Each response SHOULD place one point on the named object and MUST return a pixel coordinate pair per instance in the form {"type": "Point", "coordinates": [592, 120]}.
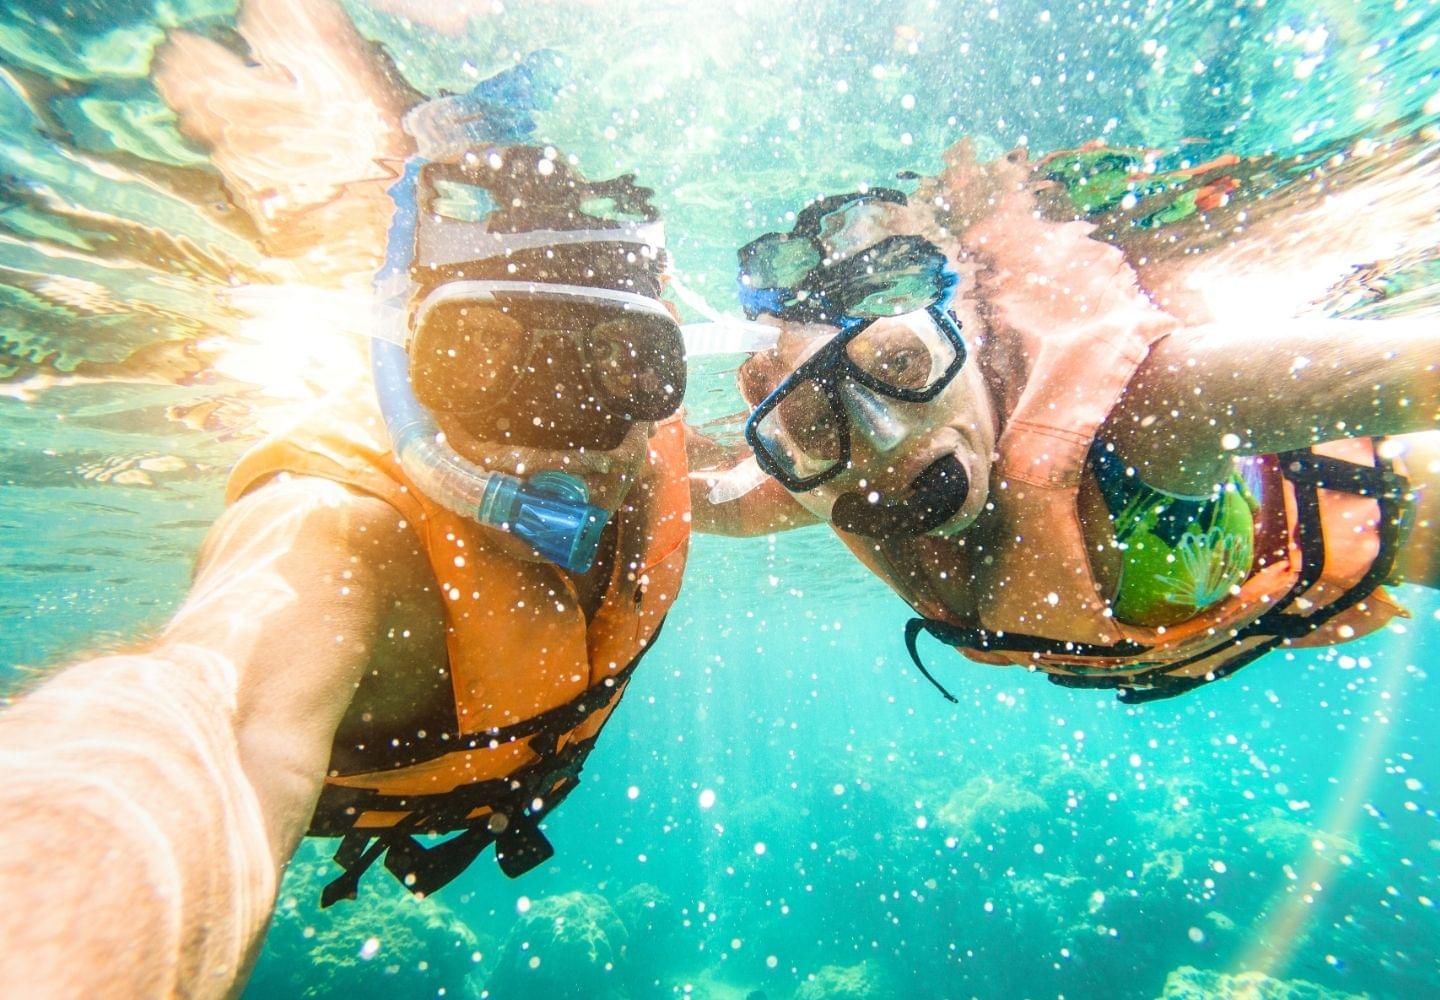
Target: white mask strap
{"type": "Point", "coordinates": [722, 334]}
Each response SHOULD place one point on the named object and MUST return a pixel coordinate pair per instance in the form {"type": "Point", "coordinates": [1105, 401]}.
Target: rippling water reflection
{"type": "Point", "coordinates": [160, 308]}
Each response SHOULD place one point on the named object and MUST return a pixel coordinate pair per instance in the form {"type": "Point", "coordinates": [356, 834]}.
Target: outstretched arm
{"type": "Point", "coordinates": [152, 798]}
{"type": "Point", "coordinates": [1206, 394]}
{"type": "Point", "coordinates": [762, 511]}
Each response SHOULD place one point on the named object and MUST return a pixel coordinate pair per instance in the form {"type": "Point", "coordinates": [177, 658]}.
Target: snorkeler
{"type": "Point", "coordinates": [420, 608]}
{"type": "Point", "coordinates": [1057, 473]}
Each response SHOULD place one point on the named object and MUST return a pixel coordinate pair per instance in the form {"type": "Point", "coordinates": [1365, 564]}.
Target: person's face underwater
{"type": "Point", "coordinates": [523, 384]}
{"type": "Point", "coordinates": [903, 455]}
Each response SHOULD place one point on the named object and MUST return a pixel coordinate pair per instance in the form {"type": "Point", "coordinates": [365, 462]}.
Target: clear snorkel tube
{"type": "Point", "coordinates": [549, 511]}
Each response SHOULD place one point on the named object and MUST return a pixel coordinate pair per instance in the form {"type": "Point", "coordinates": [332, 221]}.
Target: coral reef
{"type": "Point", "coordinates": [1190, 983]}
{"type": "Point", "coordinates": [985, 803]}
{"type": "Point", "coordinates": [565, 947]}
{"type": "Point", "coordinates": [862, 981]}
{"type": "Point", "coordinates": [388, 942]}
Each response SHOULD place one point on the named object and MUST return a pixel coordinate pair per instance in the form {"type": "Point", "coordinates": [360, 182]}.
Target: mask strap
{"type": "Point", "coordinates": [722, 334]}
{"type": "Point", "coordinates": [454, 241]}
{"type": "Point", "coordinates": [485, 291]}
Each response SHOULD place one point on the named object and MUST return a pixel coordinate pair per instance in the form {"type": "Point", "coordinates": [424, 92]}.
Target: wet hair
{"type": "Point", "coordinates": [523, 189]}
{"type": "Point", "coordinates": [758, 375]}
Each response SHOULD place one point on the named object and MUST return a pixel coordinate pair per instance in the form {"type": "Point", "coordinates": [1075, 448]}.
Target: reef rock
{"type": "Point", "coordinates": [565, 947]}
{"type": "Point", "coordinates": [983, 805]}
{"type": "Point", "coordinates": [386, 942]}
{"type": "Point", "coordinates": [844, 982]}
{"type": "Point", "coordinates": [1190, 983]}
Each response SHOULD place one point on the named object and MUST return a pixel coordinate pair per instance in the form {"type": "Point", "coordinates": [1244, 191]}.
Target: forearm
{"type": "Point", "coordinates": [137, 861]}
{"type": "Point", "coordinates": [766, 509]}
{"type": "Point", "coordinates": [1207, 394]}
{"type": "Point", "coordinates": [753, 503]}
{"type": "Point", "coordinates": [1337, 378]}
{"type": "Point", "coordinates": [152, 799]}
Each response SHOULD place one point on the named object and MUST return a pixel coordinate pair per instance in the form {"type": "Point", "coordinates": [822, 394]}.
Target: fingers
{"type": "Point", "coordinates": [306, 133]}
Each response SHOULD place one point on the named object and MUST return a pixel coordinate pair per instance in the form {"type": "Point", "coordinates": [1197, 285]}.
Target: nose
{"type": "Point", "coordinates": [871, 417]}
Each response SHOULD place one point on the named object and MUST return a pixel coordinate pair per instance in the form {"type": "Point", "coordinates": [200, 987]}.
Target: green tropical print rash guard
{"type": "Point", "coordinates": [1179, 554]}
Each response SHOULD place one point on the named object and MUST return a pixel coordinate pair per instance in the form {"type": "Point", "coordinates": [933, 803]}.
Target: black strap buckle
{"type": "Point", "coordinates": [522, 847]}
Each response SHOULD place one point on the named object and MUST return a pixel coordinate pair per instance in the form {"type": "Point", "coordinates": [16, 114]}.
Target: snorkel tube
{"type": "Point", "coordinates": [549, 511]}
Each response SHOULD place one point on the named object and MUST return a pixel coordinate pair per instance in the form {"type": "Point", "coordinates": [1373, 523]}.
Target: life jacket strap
{"type": "Point", "coordinates": [1308, 473]}
{"type": "Point", "coordinates": [519, 804]}
{"type": "Point", "coordinates": [981, 639]}
{"type": "Point", "coordinates": [523, 800]}
{"type": "Point", "coordinates": [356, 854]}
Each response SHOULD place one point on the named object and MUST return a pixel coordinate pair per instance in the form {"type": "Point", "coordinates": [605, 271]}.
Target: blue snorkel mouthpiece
{"type": "Point", "coordinates": [551, 513]}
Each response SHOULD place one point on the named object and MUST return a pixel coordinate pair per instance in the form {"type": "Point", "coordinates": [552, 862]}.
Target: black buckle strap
{"type": "Point", "coordinates": [561, 718]}
{"type": "Point", "coordinates": [1329, 473]}
{"type": "Point", "coordinates": [1309, 473]}
{"type": "Point", "coordinates": [519, 803]}
{"type": "Point", "coordinates": [356, 854]}
{"type": "Point", "coordinates": [519, 847]}
{"type": "Point", "coordinates": [523, 799]}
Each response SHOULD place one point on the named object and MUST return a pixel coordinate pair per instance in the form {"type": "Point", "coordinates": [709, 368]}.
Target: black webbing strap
{"type": "Point", "coordinates": [523, 799]}
{"type": "Point", "coordinates": [517, 807]}
{"type": "Point", "coordinates": [980, 639]}
{"type": "Point", "coordinates": [518, 802]}
{"type": "Point", "coordinates": [1308, 473]}
{"type": "Point", "coordinates": [356, 854]}
{"type": "Point", "coordinates": [561, 718]}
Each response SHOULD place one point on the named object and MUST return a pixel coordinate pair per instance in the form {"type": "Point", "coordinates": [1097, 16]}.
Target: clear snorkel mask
{"type": "Point", "coordinates": [531, 335]}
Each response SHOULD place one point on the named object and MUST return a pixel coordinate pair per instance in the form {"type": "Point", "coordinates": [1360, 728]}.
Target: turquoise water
{"type": "Point", "coordinates": [865, 839]}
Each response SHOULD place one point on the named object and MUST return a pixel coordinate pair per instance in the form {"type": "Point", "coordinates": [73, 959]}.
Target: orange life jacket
{"type": "Point", "coordinates": [1327, 536]}
{"type": "Point", "coordinates": [533, 681]}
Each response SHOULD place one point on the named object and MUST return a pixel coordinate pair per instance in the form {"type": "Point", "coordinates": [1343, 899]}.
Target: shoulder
{"type": "Point", "coordinates": [342, 439]}
{"type": "Point", "coordinates": [306, 526]}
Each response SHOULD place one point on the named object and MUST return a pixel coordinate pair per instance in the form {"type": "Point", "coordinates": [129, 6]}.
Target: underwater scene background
{"type": "Point", "coordinates": [781, 807]}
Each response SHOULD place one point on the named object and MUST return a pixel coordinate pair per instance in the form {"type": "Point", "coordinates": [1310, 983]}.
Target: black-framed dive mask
{"type": "Point", "coordinates": [800, 432]}
{"type": "Point", "coordinates": [546, 365]}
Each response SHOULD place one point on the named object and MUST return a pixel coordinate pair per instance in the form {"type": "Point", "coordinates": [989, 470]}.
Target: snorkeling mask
{"type": "Point", "coordinates": [838, 266]}
{"type": "Point", "coordinates": [553, 367]}
{"type": "Point", "coordinates": [801, 430]}
{"type": "Point", "coordinates": [540, 325]}
{"type": "Point", "coordinates": [536, 323]}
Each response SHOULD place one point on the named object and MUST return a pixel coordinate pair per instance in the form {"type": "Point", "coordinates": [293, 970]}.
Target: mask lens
{"type": "Point", "coordinates": [778, 261]}
{"type": "Point", "coordinates": [857, 224]}
{"type": "Point", "coordinates": [907, 353]}
{"type": "Point", "coordinates": [466, 356]}
{"type": "Point", "coordinates": [548, 372]}
{"type": "Point", "coordinates": [638, 362]}
{"type": "Point", "coordinates": [802, 433]}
